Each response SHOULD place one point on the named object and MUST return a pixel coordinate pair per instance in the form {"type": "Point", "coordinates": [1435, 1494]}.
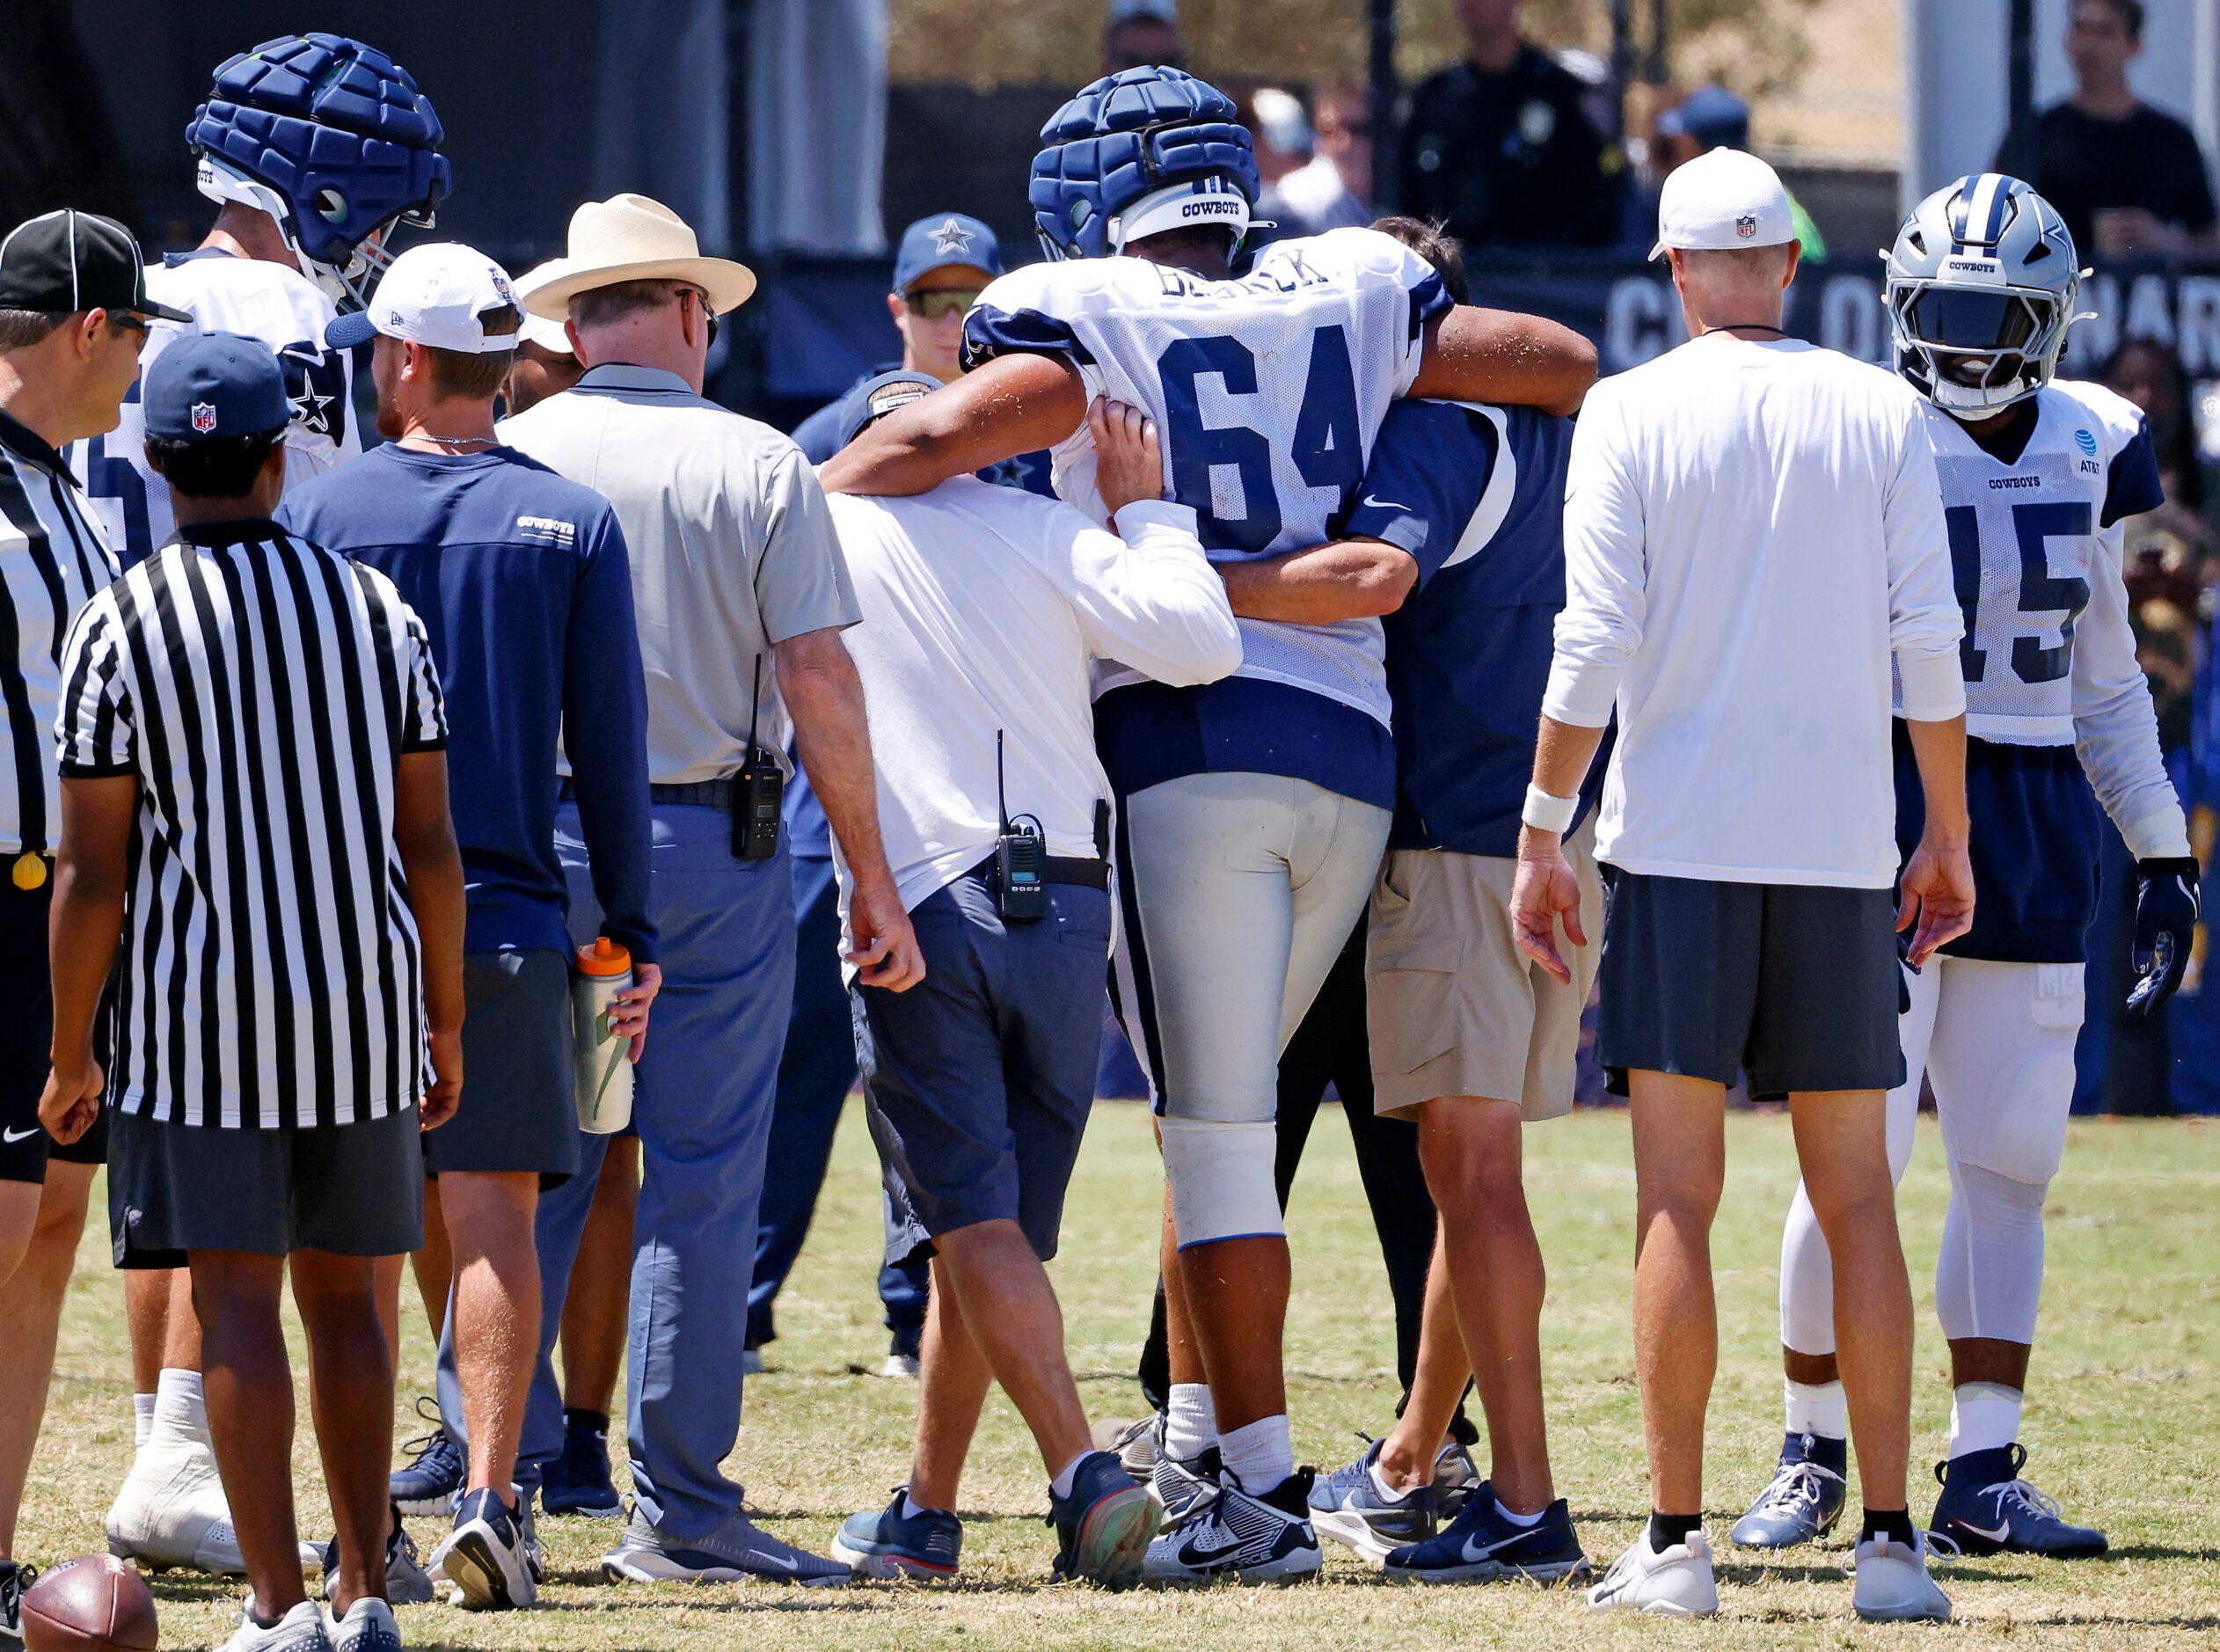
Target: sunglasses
{"type": "Point", "coordinates": [942, 302]}
{"type": "Point", "coordinates": [709, 316]}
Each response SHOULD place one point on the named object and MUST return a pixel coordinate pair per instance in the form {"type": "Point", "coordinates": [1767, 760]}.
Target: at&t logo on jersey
{"type": "Point", "coordinates": [2085, 442]}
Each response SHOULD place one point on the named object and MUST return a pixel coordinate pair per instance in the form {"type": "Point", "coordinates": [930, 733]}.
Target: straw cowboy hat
{"type": "Point", "coordinates": [631, 238]}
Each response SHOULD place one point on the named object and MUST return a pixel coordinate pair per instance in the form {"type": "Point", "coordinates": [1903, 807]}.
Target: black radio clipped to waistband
{"type": "Point", "coordinates": [1021, 856]}
{"type": "Point", "coordinates": [759, 791]}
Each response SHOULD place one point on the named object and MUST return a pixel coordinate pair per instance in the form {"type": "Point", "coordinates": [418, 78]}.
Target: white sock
{"type": "Point", "coordinates": [141, 1418]}
{"type": "Point", "coordinates": [180, 1407]}
{"type": "Point", "coordinates": [911, 1507]}
{"type": "Point", "coordinates": [1190, 1421]}
{"type": "Point", "coordinates": [1380, 1483]}
{"type": "Point", "coordinates": [1258, 1454]}
{"type": "Point", "coordinates": [1819, 1408]}
{"type": "Point", "coordinates": [1519, 1519]}
{"type": "Point", "coordinates": [1061, 1484]}
{"type": "Point", "coordinates": [1983, 1417]}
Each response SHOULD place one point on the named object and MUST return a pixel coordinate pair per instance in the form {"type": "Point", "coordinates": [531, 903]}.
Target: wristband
{"type": "Point", "coordinates": [1546, 811]}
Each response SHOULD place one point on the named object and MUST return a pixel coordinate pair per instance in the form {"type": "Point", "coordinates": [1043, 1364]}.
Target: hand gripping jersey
{"type": "Point", "coordinates": [1267, 393]}
{"type": "Point", "coordinates": [2052, 689]}
{"type": "Point", "coordinates": [269, 302]}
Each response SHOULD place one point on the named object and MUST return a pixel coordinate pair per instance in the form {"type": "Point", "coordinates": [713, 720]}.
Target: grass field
{"type": "Point", "coordinates": [2124, 1418]}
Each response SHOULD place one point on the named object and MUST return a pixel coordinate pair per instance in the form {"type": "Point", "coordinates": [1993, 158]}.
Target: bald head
{"type": "Point", "coordinates": [1733, 287]}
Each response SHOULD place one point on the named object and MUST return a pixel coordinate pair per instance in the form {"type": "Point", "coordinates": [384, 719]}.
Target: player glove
{"type": "Point", "coordinates": [2166, 906]}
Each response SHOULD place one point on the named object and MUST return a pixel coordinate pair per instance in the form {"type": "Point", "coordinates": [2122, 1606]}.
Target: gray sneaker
{"type": "Point", "coordinates": [737, 1549]}
{"type": "Point", "coordinates": [406, 1583]}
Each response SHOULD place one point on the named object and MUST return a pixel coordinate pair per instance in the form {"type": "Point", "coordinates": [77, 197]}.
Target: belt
{"type": "Point", "coordinates": [699, 794]}
{"type": "Point", "coordinates": [1088, 874]}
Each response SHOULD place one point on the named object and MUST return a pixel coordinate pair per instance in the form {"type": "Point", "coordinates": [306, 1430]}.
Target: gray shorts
{"type": "Point", "coordinates": [352, 1189]}
{"type": "Point", "coordinates": [519, 1109]}
{"type": "Point", "coordinates": [977, 1081]}
{"type": "Point", "coordinates": [1797, 987]}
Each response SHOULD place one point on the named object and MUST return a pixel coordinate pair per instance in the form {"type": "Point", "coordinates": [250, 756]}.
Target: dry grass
{"type": "Point", "coordinates": [2123, 1420]}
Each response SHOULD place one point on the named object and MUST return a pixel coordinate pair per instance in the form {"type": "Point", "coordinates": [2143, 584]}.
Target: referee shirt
{"type": "Point", "coordinates": [261, 690]}
{"type": "Point", "coordinates": [54, 559]}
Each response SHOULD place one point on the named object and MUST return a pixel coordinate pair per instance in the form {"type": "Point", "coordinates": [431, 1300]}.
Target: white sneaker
{"type": "Point", "coordinates": [171, 1514]}
{"type": "Point", "coordinates": [368, 1626]}
{"type": "Point", "coordinates": [302, 1629]}
{"type": "Point", "coordinates": [1892, 1584]}
{"type": "Point", "coordinates": [1675, 1582]}
{"type": "Point", "coordinates": [900, 1366]}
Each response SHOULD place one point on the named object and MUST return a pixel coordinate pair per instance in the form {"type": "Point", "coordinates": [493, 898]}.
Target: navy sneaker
{"type": "Point", "coordinates": [1104, 1524]}
{"type": "Point", "coordinates": [1236, 1534]}
{"type": "Point", "coordinates": [407, 1582]}
{"type": "Point", "coordinates": [890, 1544]}
{"type": "Point", "coordinates": [1349, 1507]}
{"type": "Point", "coordinates": [434, 1474]}
{"type": "Point", "coordinates": [1987, 1509]}
{"type": "Point", "coordinates": [1802, 1500]}
{"type": "Point", "coordinates": [578, 1482]}
{"type": "Point", "coordinates": [1481, 1547]}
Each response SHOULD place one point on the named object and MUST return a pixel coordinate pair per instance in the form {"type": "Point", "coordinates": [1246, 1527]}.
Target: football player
{"type": "Point", "coordinates": [1252, 812]}
{"type": "Point", "coordinates": [2037, 477]}
{"type": "Point", "coordinates": [316, 148]}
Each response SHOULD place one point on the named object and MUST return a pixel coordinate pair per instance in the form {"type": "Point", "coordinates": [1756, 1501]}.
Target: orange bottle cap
{"type": "Point", "coordinates": [604, 957]}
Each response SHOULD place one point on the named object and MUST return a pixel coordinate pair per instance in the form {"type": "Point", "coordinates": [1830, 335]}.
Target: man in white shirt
{"type": "Point", "coordinates": [984, 611]}
{"type": "Point", "coordinates": [1753, 538]}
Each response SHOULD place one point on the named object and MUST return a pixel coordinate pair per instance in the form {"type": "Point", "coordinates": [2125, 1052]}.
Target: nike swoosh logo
{"type": "Point", "coordinates": [19, 1136]}
{"type": "Point", "coordinates": [1190, 1555]}
{"type": "Point", "coordinates": [1999, 1535]}
{"type": "Point", "coordinates": [781, 1561]}
{"type": "Point", "coordinates": [1386, 504]}
{"type": "Point", "coordinates": [1480, 1551]}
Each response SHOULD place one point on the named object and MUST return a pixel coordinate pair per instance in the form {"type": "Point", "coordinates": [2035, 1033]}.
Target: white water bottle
{"type": "Point", "coordinates": [603, 1057]}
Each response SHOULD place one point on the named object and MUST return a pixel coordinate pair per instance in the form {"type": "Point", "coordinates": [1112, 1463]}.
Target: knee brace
{"type": "Point", "coordinates": [1988, 1276]}
{"type": "Point", "coordinates": [1221, 1177]}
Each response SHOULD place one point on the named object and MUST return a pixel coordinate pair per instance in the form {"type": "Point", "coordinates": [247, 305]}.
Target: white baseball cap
{"type": "Point", "coordinates": [434, 295]}
{"type": "Point", "coordinates": [1722, 199]}
{"type": "Point", "coordinates": [548, 334]}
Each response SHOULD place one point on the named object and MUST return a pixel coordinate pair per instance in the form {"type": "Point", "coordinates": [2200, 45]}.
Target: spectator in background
{"type": "Point", "coordinates": [1501, 148]}
{"type": "Point", "coordinates": [1141, 32]}
{"type": "Point", "coordinates": [1303, 192]}
{"type": "Point", "coordinates": [2127, 177]}
{"type": "Point", "coordinates": [1713, 118]}
{"type": "Point", "coordinates": [2149, 373]}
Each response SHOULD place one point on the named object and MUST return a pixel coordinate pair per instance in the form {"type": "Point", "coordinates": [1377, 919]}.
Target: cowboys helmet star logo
{"type": "Point", "coordinates": [950, 237]}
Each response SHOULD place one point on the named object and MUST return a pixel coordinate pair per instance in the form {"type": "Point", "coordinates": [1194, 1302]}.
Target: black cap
{"type": "Point", "coordinates": [69, 260]}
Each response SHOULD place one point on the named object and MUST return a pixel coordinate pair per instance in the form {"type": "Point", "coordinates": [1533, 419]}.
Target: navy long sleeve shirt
{"type": "Point", "coordinates": [523, 580]}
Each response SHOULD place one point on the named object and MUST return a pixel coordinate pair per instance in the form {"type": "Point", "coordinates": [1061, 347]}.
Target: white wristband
{"type": "Point", "coordinates": [1546, 811]}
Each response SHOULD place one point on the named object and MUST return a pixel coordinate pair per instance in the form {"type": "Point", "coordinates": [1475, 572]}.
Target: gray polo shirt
{"type": "Point", "coordinates": [732, 547]}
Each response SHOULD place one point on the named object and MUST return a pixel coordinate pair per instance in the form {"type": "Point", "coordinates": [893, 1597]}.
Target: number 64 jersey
{"type": "Point", "coordinates": [2052, 689]}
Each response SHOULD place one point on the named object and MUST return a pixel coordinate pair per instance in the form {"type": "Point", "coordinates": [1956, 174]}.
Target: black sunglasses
{"type": "Point", "coordinates": [709, 316]}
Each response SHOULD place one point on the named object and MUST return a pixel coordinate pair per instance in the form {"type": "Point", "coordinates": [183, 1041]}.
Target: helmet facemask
{"type": "Point", "coordinates": [1976, 350]}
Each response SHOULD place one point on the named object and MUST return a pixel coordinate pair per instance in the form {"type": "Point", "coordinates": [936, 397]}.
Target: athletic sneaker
{"type": "Point", "coordinates": [302, 1629]}
{"type": "Point", "coordinates": [1133, 1443]}
{"type": "Point", "coordinates": [367, 1626]}
{"type": "Point", "coordinates": [578, 1482]}
{"type": "Point", "coordinates": [890, 1544]}
{"type": "Point", "coordinates": [1800, 1504]}
{"type": "Point", "coordinates": [1987, 1509]}
{"type": "Point", "coordinates": [1674, 1582]}
{"type": "Point", "coordinates": [1103, 1525]}
{"type": "Point", "coordinates": [751, 1362]}
{"type": "Point", "coordinates": [1181, 1485]}
{"type": "Point", "coordinates": [1892, 1585]}
{"type": "Point", "coordinates": [485, 1556]}
{"type": "Point", "coordinates": [436, 1471]}
{"type": "Point", "coordinates": [1348, 1506]}
{"type": "Point", "coordinates": [407, 1582]}
{"type": "Point", "coordinates": [15, 1584]}
{"type": "Point", "coordinates": [735, 1550]}
{"type": "Point", "coordinates": [171, 1514]}
{"type": "Point", "coordinates": [900, 1366]}
{"type": "Point", "coordinates": [1236, 1534]}
{"type": "Point", "coordinates": [1456, 1477]}
{"type": "Point", "coordinates": [1481, 1547]}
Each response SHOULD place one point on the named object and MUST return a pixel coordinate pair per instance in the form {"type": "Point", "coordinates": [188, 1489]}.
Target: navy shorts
{"type": "Point", "coordinates": [26, 1039]}
{"type": "Point", "coordinates": [1796, 987]}
{"type": "Point", "coordinates": [520, 1107]}
{"type": "Point", "coordinates": [977, 1081]}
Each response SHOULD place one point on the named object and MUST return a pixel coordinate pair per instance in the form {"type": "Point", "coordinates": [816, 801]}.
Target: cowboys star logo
{"type": "Point", "coordinates": [951, 238]}
{"type": "Point", "coordinates": [203, 418]}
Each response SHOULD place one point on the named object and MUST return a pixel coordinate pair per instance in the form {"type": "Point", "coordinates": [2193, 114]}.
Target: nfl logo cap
{"type": "Point", "coordinates": [1722, 199]}
{"type": "Point", "coordinates": [943, 240]}
{"type": "Point", "coordinates": [213, 386]}
{"type": "Point", "coordinates": [69, 261]}
{"type": "Point", "coordinates": [435, 295]}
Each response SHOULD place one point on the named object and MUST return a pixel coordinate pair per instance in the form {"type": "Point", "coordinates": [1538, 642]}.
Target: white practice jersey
{"type": "Point", "coordinates": [2036, 553]}
{"type": "Point", "coordinates": [224, 293]}
{"type": "Point", "coordinates": [1267, 393]}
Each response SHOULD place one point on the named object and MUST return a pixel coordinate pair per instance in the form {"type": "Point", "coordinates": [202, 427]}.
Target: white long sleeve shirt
{"type": "Point", "coordinates": [984, 610]}
{"type": "Point", "coordinates": [1752, 531]}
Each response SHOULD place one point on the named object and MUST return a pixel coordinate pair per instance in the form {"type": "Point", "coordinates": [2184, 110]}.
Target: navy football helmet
{"type": "Point", "coordinates": [1138, 152]}
{"type": "Point", "coordinates": [332, 139]}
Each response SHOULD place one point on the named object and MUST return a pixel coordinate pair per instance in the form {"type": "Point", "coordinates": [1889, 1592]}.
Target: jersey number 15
{"type": "Point", "coordinates": [2039, 591]}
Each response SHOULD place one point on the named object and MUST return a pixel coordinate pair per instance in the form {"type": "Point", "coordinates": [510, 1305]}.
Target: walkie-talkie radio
{"type": "Point", "coordinates": [758, 791]}
{"type": "Point", "coordinates": [1021, 858]}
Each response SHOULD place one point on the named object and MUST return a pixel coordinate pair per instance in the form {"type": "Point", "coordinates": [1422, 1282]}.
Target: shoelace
{"type": "Point", "coordinates": [14, 1586]}
{"type": "Point", "coordinates": [423, 1442]}
{"type": "Point", "coordinates": [2027, 1495]}
{"type": "Point", "coordinates": [1796, 1483]}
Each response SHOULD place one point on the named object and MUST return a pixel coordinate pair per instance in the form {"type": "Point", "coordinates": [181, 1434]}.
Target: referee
{"type": "Point", "coordinates": [254, 797]}
{"type": "Point", "coordinates": [73, 318]}
{"type": "Point", "coordinates": [1753, 536]}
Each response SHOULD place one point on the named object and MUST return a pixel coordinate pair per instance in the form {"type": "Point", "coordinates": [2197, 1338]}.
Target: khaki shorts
{"type": "Point", "coordinates": [1453, 1008]}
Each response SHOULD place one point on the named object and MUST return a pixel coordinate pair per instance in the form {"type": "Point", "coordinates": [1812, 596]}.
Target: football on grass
{"type": "Point", "coordinates": [92, 1604]}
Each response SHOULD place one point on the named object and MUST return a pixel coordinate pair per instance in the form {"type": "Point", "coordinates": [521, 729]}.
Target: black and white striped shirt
{"type": "Point", "coordinates": [53, 562]}
{"type": "Point", "coordinates": [262, 691]}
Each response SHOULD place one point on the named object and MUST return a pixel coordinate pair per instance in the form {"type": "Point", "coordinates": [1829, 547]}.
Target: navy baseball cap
{"type": "Point", "coordinates": [210, 386]}
{"type": "Point", "coordinates": [945, 238]}
{"type": "Point", "coordinates": [876, 397]}
{"type": "Point", "coordinates": [1712, 115]}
